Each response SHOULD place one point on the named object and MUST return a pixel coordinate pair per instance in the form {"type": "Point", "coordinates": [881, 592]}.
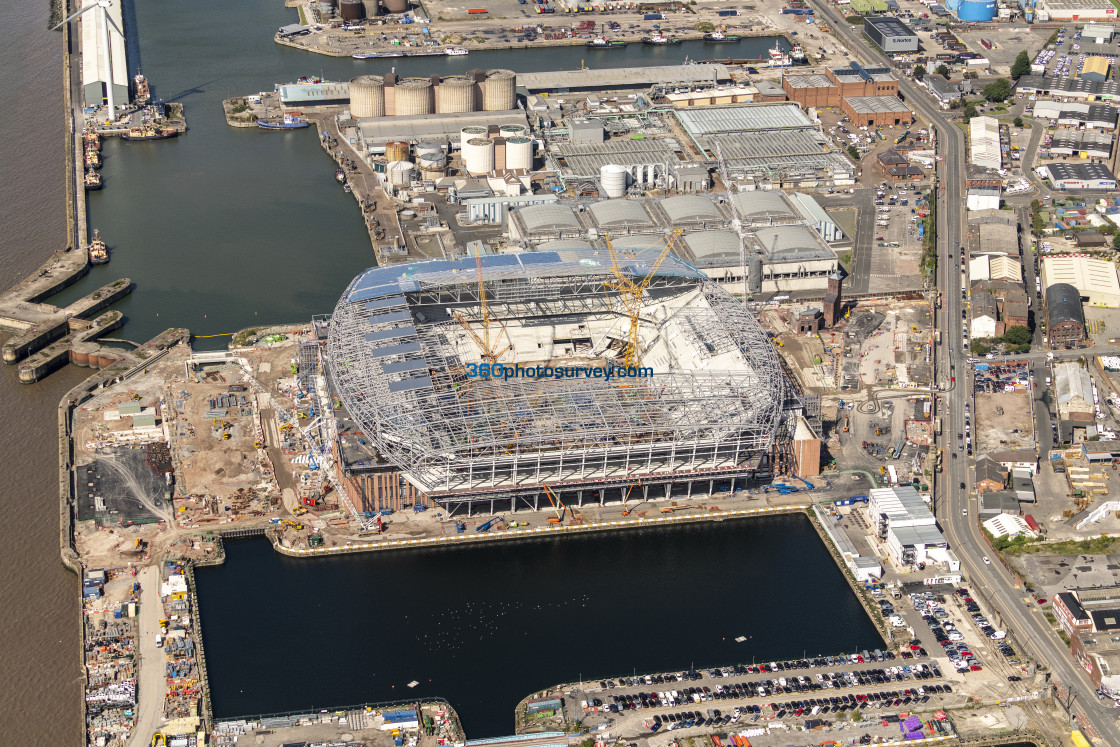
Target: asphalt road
{"type": "Point", "coordinates": [1020, 615]}
{"type": "Point", "coordinates": [150, 677]}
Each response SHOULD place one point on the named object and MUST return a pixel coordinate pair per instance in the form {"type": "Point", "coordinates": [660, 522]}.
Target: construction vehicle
{"type": "Point", "coordinates": [299, 509]}
{"type": "Point", "coordinates": [486, 527]}
{"type": "Point", "coordinates": [557, 506]}
{"type": "Point", "coordinates": [808, 485]}
{"type": "Point", "coordinates": [141, 544]}
{"type": "Point", "coordinates": [298, 526]}
{"type": "Point", "coordinates": [158, 740]}
{"type": "Point", "coordinates": [631, 293]}
{"type": "Point", "coordinates": [460, 527]}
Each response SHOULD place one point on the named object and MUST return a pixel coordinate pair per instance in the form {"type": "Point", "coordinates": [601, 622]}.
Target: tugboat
{"type": "Point", "coordinates": [149, 132]}
{"type": "Point", "coordinates": [93, 181]}
{"type": "Point", "coordinates": [93, 159]}
{"type": "Point", "coordinates": [92, 140]}
{"type": "Point", "coordinates": [660, 40]}
{"type": "Point", "coordinates": [602, 42]}
{"type": "Point", "coordinates": [797, 54]}
{"type": "Point", "coordinates": [98, 252]}
{"type": "Point", "coordinates": [456, 51]}
{"type": "Point", "coordinates": [719, 36]}
{"type": "Point", "coordinates": [289, 122]}
{"type": "Point", "coordinates": [140, 85]}
{"type": "Point", "coordinates": [340, 176]}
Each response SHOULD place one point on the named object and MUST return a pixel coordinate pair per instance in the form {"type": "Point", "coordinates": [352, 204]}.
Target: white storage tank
{"type": "Point", "coordinates": [373, 8]}
{"type": "Point", "coordinates": [414, 97]}
{"type": "Point", "coordinates": [519, 153]}
{"type": "Point", "coordinates": [478, 156]}
{"type": "Point", "coordinates": [512, 130]}
{"type": "Point", "coordinates": [367, 96]}
{"type": "Point", "coordinates": [498, 91]}
{"type": "Point", "coordinates": [469, 133]}
{"type": "Point", "coordinates": [615, 180]}
{"type": "Point", "coordinates": [400, 173]}
{"type": "Point", "coordinates": [455, 95]}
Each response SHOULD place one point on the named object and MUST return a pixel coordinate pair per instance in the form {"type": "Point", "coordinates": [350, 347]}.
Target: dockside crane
{"type": "Point", "coordinates": [631, 293]}
{"type": "Point", "coordinates": [739, 230]}
{"type": "Point", "coordinates": [485, 346]}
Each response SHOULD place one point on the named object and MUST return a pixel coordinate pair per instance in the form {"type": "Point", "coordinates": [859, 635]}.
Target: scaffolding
{"type": "Point", "coordinates": [399, 361]}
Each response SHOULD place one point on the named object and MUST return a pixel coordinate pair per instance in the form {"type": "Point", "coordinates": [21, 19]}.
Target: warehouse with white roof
{"type": "Point", "coordinates": [983, 139]}
{"type": "Point", "coordinates": [902, 519]}
{"type": "Point", "coordinates": [1095, 279]}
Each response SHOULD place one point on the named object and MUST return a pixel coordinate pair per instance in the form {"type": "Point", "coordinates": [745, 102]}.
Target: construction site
{"type": "Point", "coordinates": [406, 345]}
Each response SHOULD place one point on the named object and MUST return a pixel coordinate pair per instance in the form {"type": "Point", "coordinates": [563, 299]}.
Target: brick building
{"type": "Point", "coordinates": [837, 84]}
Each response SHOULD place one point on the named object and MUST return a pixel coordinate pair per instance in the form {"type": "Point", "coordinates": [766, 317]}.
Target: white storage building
{"type": "Point", "coordinates": [983, 136]}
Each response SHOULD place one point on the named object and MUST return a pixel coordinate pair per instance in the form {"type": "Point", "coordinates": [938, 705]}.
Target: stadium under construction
{"type": "Point", "coordinates": [414, 426]}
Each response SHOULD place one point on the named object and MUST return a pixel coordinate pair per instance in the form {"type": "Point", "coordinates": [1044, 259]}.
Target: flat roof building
{"type": "Point", "coordinates": [1073, 10]}
{"type": "Point", "coordinates": [600, 78]}
{"type": "Point", "coordinates": [903, 520]}
{"type": "Point", "coordinates": [1096, 69]}
{"type": "Point", "coordinates": [1074, 177]}
{"type": "Point", "coordinates": [890, 34]}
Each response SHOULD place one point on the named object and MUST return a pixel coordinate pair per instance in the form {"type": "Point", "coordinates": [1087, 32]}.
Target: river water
{"type": "Point", "coordinates": [487, 625]}
{"type": "Point", "coordinates": [220, 229]}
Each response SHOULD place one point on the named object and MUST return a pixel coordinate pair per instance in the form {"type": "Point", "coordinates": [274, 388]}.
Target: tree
{"type": "Point", "coordinates": [705, 27]}
{"type": "Point", "coordinates": [853, 151]}
{"type": "Point", "coordinates": [970, 112]}
{"type": "Point", "coordinates": [997, 90]}
{"type": "Point", "coordinates": [1116, 242]}
{"type": "Point", "coordinates": [1018, 121]}
{"type": "Point", "coordinates": [1017, 336]}
{"type": "Point", "coordinates": [1022, 65]}
{"type": "Point", "coordinates": [919, 72]}
{"type": "Point", "coordinates": [942, 69]}
{"type": "Point", "coordinates": [979, 348]}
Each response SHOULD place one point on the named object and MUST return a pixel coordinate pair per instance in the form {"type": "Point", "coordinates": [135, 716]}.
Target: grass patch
{"type": "Point", "coordinates": [1095, 546]}
{"type": "Point", "coordinates": [302, 16]}
{"type": "Point", "coordinates": [845, 259]}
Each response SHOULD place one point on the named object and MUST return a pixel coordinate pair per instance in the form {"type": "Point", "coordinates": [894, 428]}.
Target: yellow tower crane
{"type": "Point", "coordinates": [631, 293]}
{"type": "Point", "coordinates": [485, 347]}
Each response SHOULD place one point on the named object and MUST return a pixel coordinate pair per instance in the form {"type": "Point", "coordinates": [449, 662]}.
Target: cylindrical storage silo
{"type": "Point", "coordinates": [396, 151]}
{"type": "Point", "coordinates": [351, 10]}
{"type": "Point", "coordinates": [498, 91]}
{"type": "Point", "coordinates": [367, 96]}
{"type": "Point", "coordinates": [519, 153]}
{"type": "Point", "coordinates": [615, 179]}
{"type": "Point", "coordinates": [977, 11]}
{"type": "Point", "coordinates": [373, 8]}
{"type": "Point", "coordinates": [478, 156]}
{"type": "Point", "coordinates": [414, 97]}
{"type": "Point", "coordinates": [432, 163]}
{"type": "Point", "coordinates": [512, 130]}
{"type": "Point", "coordinates": [455, 96]}
{"type": "Point", "coordinates": [952, 5]}
{"type": "Point", "coordinates": [400, 173]}
{"type": "Point", "coordinates": [469, 133]}
{"type": "Point", "coordinates": [427, 147]}
{"type": "Point", "coordinates": [395, 6]}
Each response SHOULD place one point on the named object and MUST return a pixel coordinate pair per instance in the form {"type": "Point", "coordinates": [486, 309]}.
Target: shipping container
{"type": "Point", "coordinates": [476, 11]}
{"type": "Point", "coordinates": [728, 13]}
{"type": "Point", "coordinates": [653, 17]}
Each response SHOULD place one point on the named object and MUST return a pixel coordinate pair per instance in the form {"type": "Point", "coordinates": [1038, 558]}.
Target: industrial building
{"type": "Point", "coordinates": [1078, 176]}
{"type": "Point", "coordinates": [1068, 88]}
{"type": "Point", "coordinates": [1065, 318]}
{"type": "Point", "coordinates": [768, 146]}
{"type": "Point", "coordinates": [902, 519]}
{"type": "Point", "coordinates": [945, 90]}
{"type": "Point", "coordinates": [877, 111]}
{"type": "Point", "coordinates": [624, 78]}
{"type": "Point", "coordinates": [890, 34]}
{"type": "Point", "coordinates": [705, 407]}
{"type": "Point", "coordinates": [1081, 143]}
{"type": "Point", "coordinates": [783, 244]}
{"type": "Point", "coordinates": [314, 94]}
{"type": "Point", "coordinates": [983, 141]}
{"type": "Point", "coordinates": [104, 63]}
{"type": "Point", "coordinates": [828, 90]}
{"type": "Point", "coordinates": [1077, 114]}
{"type": "Point", "coordinates": [1062, 11]}
{"type": "Point", "coordinates": [1095, 279]}
{"type": "Point", "coordinates": [983, 196]}
{"type": "Point", "coordinates": [644, 164]}
{"type": "Point", "coordinates": [994, 267]}
{"type": "Point", "coordinates": [1095, 69]}
{"type": "Point", "coordinates": [717, 96]}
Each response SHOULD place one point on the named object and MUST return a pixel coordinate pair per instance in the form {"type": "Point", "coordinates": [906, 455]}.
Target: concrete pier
{"type": "Point", "coordinates": [77, 348]}
{"type": "Point", "coordinates": [45, 328]}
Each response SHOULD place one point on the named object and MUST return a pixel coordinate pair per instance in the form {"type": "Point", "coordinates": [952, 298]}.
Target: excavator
{"type": "Point", "coordinates": [298, 526]}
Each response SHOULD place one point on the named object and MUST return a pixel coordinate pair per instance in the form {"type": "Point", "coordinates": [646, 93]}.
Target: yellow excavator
{"type": "Point", "coordinates": [298, 526]}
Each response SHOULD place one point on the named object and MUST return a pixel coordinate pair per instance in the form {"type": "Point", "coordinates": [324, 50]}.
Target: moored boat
{"type": "Point", "coordinates": [93, 159]}
{"type": "Point", "coordinates": [93, 181]}
{"type": "Point", "coordinates": [143, 93]}
{"type": "Point", "coordinates": [288, 122]}
{"type": "Point", "coordinates": [602, 42]}
{"type": "Point", "coordinates": [149, 132]}
{"type": "Point", "coordinates": [660, 40]}
{"type": "Point", "coordinates": [456, 51]}
{"type": "Point", "coordinates": [720, 36]}
{"type": "Point", "coordinates": [98, 252]}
